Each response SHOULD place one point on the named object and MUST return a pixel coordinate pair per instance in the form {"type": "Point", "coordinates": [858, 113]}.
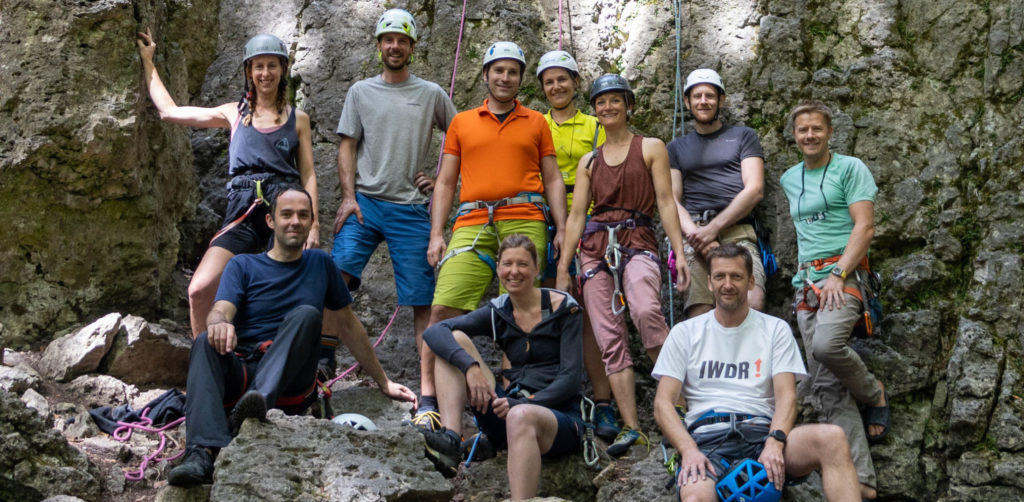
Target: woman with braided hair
{"type": "Point", "coordinates": [270, 145]}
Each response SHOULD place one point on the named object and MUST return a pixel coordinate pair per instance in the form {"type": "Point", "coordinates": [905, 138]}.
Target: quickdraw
{"type": "Point", "coordinates": [613, 257]}
{"type": "Point", "coordinates": [590, 454]}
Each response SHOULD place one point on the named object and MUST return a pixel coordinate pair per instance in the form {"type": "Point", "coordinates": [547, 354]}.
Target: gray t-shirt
{"type": "Point", "coordinates": [392, 123]}
{"type": "Point", "coordinates": [710, 164]}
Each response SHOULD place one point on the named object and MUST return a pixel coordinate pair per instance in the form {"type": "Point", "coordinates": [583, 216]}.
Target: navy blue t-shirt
{"type": "Point", "coordinates": [264, 290]}
{"type": "Point", "coordinates": [711, 165]}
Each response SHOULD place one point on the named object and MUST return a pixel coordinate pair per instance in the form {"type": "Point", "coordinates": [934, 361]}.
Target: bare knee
{"type": "Point", "coordinates": [462, 339]}
{"type": "Point", "coordinates": [519, 424]}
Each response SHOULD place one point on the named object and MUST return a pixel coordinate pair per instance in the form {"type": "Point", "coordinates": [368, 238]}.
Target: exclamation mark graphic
{"type": "Point", "coordinates": [757, 367]}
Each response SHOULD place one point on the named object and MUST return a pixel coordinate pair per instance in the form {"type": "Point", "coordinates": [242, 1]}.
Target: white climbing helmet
{"type": "Point", "coordinates": [355, 421]}
{"type": "Point", "coordinates": [396, 21]}
{"type": "Point", "coordinates": [557, 59]}
{"type": "Point", "coordinates": [703, 76]}
{"type": "Point", "coordinates": [504, 50]}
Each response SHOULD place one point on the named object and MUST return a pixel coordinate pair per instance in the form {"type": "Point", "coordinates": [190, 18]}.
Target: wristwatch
{"type": "Point", "coordinates": [778, 435]}
{"type": "Point", "coordinates": [838, 272]}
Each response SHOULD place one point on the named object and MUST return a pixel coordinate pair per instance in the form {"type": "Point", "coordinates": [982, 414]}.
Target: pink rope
{"type": "Point", "coordinates": [124, 433]}
{"type": "Point", "coordinates": [451, 87]}
{"type": "Point", "coordinates": [375, 344]}
{"type": "Point", "coordinates": [559, 24]}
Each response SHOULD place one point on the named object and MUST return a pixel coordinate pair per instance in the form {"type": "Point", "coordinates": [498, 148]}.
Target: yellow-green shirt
{"type": "Point", "coordinates": [573, 139]}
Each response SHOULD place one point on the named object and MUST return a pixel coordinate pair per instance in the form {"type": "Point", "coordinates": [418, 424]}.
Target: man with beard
{"type": "Point", "coordinates": [259, 347]}
{"type": "Point", "coordinates": [736, 369]}
{"type": "Point", "coordinates": [717, 179]}
{"type": "Point", "coordinates": [385, 130]}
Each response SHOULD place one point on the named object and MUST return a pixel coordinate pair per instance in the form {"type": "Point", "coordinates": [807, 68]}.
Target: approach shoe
{"type": "Point", "coordinates": [251, 405]}
{"type": "Point", "coordinates": [605, 426]}
{"type": "Point", "coordinates": [195, 469]}
{"type": "Point", "coordinates": [429, 420]}
{"type": "Point", "coordinates": [478, 448]}
{"type": "Point", "coordinates": [627, 437]}
{"type": "Point", "coordinates": [443, 449]}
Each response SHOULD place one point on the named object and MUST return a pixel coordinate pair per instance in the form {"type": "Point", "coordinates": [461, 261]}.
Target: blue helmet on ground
{"type": "Point", "coordinates": [746, 481]}
{"type": "Point", "coordinates": [355, 421]}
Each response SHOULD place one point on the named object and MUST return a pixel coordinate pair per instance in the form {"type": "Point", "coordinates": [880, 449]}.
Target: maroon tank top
{"type": "Point", "coordinates": [628, 185]}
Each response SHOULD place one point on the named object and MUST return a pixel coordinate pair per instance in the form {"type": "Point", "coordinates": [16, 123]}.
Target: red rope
{"type": "Point", "coordinates": [375, 344]}
{"type": "Point", "coordinates": [559, 24]}
{"type": "Point", "coordinates": [451, 87]}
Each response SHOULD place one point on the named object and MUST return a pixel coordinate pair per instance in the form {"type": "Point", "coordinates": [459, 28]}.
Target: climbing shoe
{"type": "Point", "coordinates": [429, 420]}
{"type": "Point", "coordinates": [444, 449]}
{"type": "Point", "coordinates": [478, 448]}
{"type": "Point", "coordinates": [251, 405]}
{"type": "Point", "coordinates": [195, 469]}
{"type": "Point", "coordinates": [325, 369]}
{"type": "Point", "coordinates": [605, 426]}
{"type": "Point", "coordinates": [627, 437]}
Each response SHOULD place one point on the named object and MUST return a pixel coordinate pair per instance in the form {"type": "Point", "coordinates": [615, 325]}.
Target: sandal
{"type": "Point", "coordinates": [877, 415]}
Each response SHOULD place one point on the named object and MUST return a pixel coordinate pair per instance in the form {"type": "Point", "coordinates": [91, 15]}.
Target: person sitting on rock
{"type": "Point", "coordinates": [831, 201]}
{"type": "Point", "coordinates": [260, 344]}
{"type": "Point", "coordinates": [736, 369]}
{"type": "Point", "coordinates": [270, 145]}
{"type": "Point", "coordinates": [538, 413]}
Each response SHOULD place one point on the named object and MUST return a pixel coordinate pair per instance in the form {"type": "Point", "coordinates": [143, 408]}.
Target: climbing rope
{"type": "Point", "coordinates": [451, 86]}
{"type": "Point", "coordinates": [124, 433]}
{"type": "Point", "coordinates": [559, 24]}
{"type": "Point", "coordinates": [327, 385]}
{"type": "Point", "coordinates": [678, 108]}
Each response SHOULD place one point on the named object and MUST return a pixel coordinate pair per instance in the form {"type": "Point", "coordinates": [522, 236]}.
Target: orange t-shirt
{"type": "Point", "coordinates": [499, 160]}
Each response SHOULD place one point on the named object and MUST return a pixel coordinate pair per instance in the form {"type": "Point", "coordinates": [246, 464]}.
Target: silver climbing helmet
{"type": "Point", "coordinates": [558, 59]}
{"type": "Point", "coordinates": [703, 76]}
{"type": "Point", "coordinates": [355, 421]}
{"type": "Point", "coordinates": [504, 50]}
{"type": "Point", "coordinates": [396, 21]}
{"type": "Point", "coordinates": [611, 83]}
{"type": "Point", "coordinates": [264, 44]}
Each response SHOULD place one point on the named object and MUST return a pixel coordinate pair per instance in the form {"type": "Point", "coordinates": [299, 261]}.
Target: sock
{"type": "Point", "coordinates": [427, 403]}
{"type": "Point", "coordinates": [327, 345]}
{"type": "Point", "coordinates": [603, 402]}
{"type": "Point", "coordinates": [453, 434]}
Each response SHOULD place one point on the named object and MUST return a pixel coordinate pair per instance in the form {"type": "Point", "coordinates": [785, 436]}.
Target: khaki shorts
{"type": "Point", "coordinates": [741, 235]}
{"type": "Point", "coordinates": [464, 278]}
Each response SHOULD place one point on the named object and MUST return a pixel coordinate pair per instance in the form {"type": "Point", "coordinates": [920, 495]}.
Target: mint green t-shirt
{"type": "Point", "coordinates": [820, 207]}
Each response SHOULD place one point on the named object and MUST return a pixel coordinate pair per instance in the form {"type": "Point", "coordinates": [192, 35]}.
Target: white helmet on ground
{"type": "Point", "coordinates": [504, 50]}
{"type": "Point", "coordinates": [703, 76]}
{"type": "Point", "coordinates": [355, 421]}
{"type": "Point", "coordinates": [396, 21]}
{"type": "Point", "coordinates": [558, 59]}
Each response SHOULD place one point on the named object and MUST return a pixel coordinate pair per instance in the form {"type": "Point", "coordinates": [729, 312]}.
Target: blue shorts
{"type": "Point", "coordinates": [406, 229]}
{"type": "Point", "coordinates": [567, 439]}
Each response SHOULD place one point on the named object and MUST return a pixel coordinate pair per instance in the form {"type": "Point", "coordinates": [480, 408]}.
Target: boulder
{"type": "Point", "coordinates": [35, 461]}
{"type": "Point", "coordinates": [19, 379]}
{"type": "Point", "coordinates": [37, 402]}
{"type": "Point", "coordinates": [566, 478]}
{"type": "Point", "coordinates": [94, 391]}
{"type": "Point", "coordinates": [80, 352]}
{"type": "Point", "coordinates": [144, 353]}
{"type": "Point", "coordinates": [293, 458]}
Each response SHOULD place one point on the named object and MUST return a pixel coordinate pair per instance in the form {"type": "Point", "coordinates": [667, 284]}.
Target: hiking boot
{"type": "Point", "coordinates": [443, 449]}
{"type": "Point", "coordinates": [428, 420]}
{"type": "Point", "coordinates": [325, 369]}
{"type": "Point", "coordinates": [195, 469]}
{"type": "Point", "coordinates": [251, 405]}
{"type": "Point", "coordinates": [627, 437]}
{"type": "Point", "coordinates": [605, 426]}
{"type": "Point", "coordinates": [478, 448]}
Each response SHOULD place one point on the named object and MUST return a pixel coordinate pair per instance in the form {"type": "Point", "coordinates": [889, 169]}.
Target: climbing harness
{"type": "Point", "coordinates": [243, 183]}
{"type": "Point", "coordinates": [522, 198]}
{"type": "Point", "coordinates": [867, 291]}
{"type": "Point", "coordinates": [613, 255]}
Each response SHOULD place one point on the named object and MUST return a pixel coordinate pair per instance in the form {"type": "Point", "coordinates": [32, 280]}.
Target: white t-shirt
{"type": "Point", "coordinates": [729, 370]}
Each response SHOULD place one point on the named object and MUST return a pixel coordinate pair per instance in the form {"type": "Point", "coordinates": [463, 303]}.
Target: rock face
{"type": "Point", "coordinates": [145, 353]}
{"type": "Point", "coordinates": [91, 184]}
{"type": "Point", "coordinates": [927, 92]}
{"type": "Point", "coordinates": [35, 461]}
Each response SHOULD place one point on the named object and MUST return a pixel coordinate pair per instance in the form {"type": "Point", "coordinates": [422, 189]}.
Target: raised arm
{"type": "Point", "coordinates": [194, 116]}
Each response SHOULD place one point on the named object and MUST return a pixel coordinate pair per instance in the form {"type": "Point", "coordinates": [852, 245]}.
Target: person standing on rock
{"type": "Point", "coordinates": [538, 413]}
{"type": "Point", "coordinates": [575, 134]}
{"type": "Point", "coordinates": [626, 178]}
{"type": "Point", "coordinates": [736, 369]}
{"type": "Point", "coordinates": [259, 348]}
{"type": "Point", "coordinates": [270, 145]}
{"type": "Point", "coordinates": [831, 201]}
{"type": "Point", "coordinates": [717, 179]}
{"type": "Point", "coordinates": [504, 156]}
{"type": "Point", "coordinates": [385, 129]}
